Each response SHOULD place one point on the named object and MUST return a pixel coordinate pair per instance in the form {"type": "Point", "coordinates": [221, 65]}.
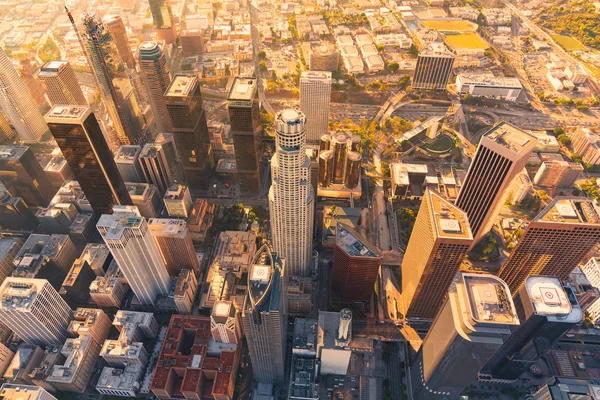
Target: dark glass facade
{"type": "Point", "coordinates": [88, 155]}
{"type": "Point", "coordinates": [24, 177]}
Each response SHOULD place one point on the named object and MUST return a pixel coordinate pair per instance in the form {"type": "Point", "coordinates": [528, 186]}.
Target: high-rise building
{"type": "Point", "coordinates": [178, 201]}
{"type": "Point", "coordinates": [105, 61]}
{"type": "Point", "coordinates": [333, 341]}
{"type": "Point", "coordinates": [146, 198]}
{"type": "Point", "coordinates": [242, 103]}
{"type": "Point", "coordinates": [558, 238]}
{"type": "Point", "coordinates": [164, 23]}
{"type": "Point", "coordinates": [546, 311]}
{"type": "Point", "coordinates": [190, 130]}
{"type": "Point", "coordinates": [155, 166]}
{"type": "Point", "coordinates": [27, 69]}
{"type": "Point", "coordinates": [14, 213]}
{"type": "Point", "coordinates": [501, 155]}
{"type": "Point", "coordinates": [291, 196]}
{"type": "Point", "coordinates": [23, 176]}
{"type": "Point", "coordinates": [116, 27]}
{"type": "Point", "coordinates": [9, 248]}
{"type": "Point", "coordinates": [558, 174]}
{"type": "Point", "coordinates": [61, 84]}
{"type": "Point", "coordinates": [130, 241]}
{"type": "Point", "coordinates": [128, 163]}
{"type": "Point", "coordinates": [175, 244]}
{"type": "Point", "coordinates": [355, 264]}
{"type": "Point", "coordinates": [34, 310]}
{"type": "Point", "coordinates": [75, 288]}
{"type": "Point", "coordinates": [6, 131]}
{"type": "Point", "coordinates": [17, 103]}
{"type": "Point", "coordinates": [225, 322]}
{"type": "Point", "coordinates": [155, 71]}
{"type": "Point", "coordinates": [80, 138]}
{"type": "Point", "coordinates": [440, 239]}
{"type": "Point", "coordinates": [264, 316]}
{"type": "Point", "coordinates": [434, 67]}
{"type": "Point", "coordinates": [466, 333]}
{"type": "Point", "coordinates": [11, 391]}
{"type": "Point", "coordinates": [186, 289]}
{"type": "Point", "coordinates": [315, 94]}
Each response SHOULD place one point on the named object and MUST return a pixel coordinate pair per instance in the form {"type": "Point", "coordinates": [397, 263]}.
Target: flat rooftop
{"type": "Point", "coordinates": [511, 137]}
{"type": "Point", "coordinates": [19, 294]}
{"type": "Point", "coordinates": [354, 244]}
{"type": "Point", "coordinates": [21, 392]}
{"type": "Point", "coordinates": [316, 75]}
{"type": "Point", "coordinates": [449, 220]}
{"type": "Point", "coordinates": [67, 114]}
{"type": "Point", "coordinates": [128, 152]}
{"type": "Point", "coordinates": [181, 85]}
{"type": "Point", "coordinates": [12, 152]}
{"type": "Point", "coordinates": [56, 164]}
{"type": "Point", "coordinates": [137, 189]}
{"type": "Point", "coordinates": [51, 68]}
{"type": "Point", "coordinates": [547, 295]}
{"type": "Point", "coordinates": [175, 192]}
{"type": "Point", "coordinates": [243, 88]}
{"type": "Point", "coordinates": [489, 79]}
{"type": "Point", "coordinates": [305, 334]}
{"type": "Point", "coordinates": [168, 227]}
{"type": "Point", "coordinates": [123, 217]}
{"type": "Point", "coordinates": [489, 299]}
{"type": "Point", "coordinates": [570, 210]}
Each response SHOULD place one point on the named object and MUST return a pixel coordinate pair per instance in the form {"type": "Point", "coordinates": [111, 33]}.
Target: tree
{"type": "Point", "coordinates": [380, 48]}
{"type": "Point", "coordinates": [49, 50]}
{"type": "Point", "coordinates": [413, 51]}
{"type": "Point", "coordinates": [558, 131]}
{"type": "Point", "coordinates": [393, 66]}
{"type": "Point", "coordinates": [564, 139]}
{"type": "Point", "coordinates": [261, 54]}
{"type": "Point", "coordinates": [262, 66]}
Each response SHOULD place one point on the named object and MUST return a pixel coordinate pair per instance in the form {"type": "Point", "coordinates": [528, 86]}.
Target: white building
{"type": "Point", "coordinates": [129, 240]}
{"type": "Point", "coordinates": [178, 201]}
{"type": "Point", "coordinates": [11, 391]}
{"type": "Point", "coordinates": [291, 196]}
{"type": "Point", "coordinates": [333, 341]}
{"type": "Point", "coordinates": [34, 310]}
{"type": "Point", "coordinates": [315, 94]}
{"type": "Point", "coordinates": [490, 86]}
{"type": "Point", "coordinates": [17, 103]}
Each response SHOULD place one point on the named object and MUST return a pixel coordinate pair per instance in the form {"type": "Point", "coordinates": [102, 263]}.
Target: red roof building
{"type": "Point", "coordinates": [190, 367]}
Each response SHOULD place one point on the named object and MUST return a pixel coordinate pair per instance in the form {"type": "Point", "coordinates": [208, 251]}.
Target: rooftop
{"type": "Point", "coordinates": [7, 245]}
{"type": "Point", "coordinates": [305, 334]}
{"type": "Point", "coordinates": [51, 68]}
{"type": "Point", "coordinates": [511, 137]}
{"type": "Point", "coordinates": [353, 243]}
{"type": "Point", "coordinates": [12, 152]}
{"type": "Point", "coordinates": [18, 294]}
{"type": "Point", "coordinates": [570, 210]}
{"type": "Point", "coordinates": [260, 275]}
{"type": "Point", "coordinates": [168, 227]}
{"type": "Point", "coordinates": [73, 274]}
{"type": "Point", "coordinates": [316, 75]}
{"type": "Point", "coordinates": [123, 217]}
{"type": "Point", "coordinates": [489, 79]}
{"type": "Point", "coordinates": [75, 350]}
{"type": "Point", "coordinates": [95, 254]}
{"type": "Point", "coordinates": [20, 392]}
{"type": "Point", "coordinates": [175, 192]}
{"type": "Point", "coordinates": [128, 152]}
{"type": "Point", "coordinates": [243, 88]}
{"type": "Point", "coordinates": [186, 350]}
{"type": "Point", "coordinates": [120, 378]}
{"type": "Point", "coordinates": [150, 150]}
{"type": "Point", "coordinates": [489, 299]}
{"type": "Point", "coordinates": [328, 335]}
{"type": "Point", "coordinates": [36, 251]}
{"type": "Point", "coordinates": [547, 295]}
{"type": "Point", "coordinates": [67, 114]}
{"type": "Point", "coordinates": [181, 85]}
{"type": "Point", "coordinates": [449, 220]}
{"type": "Point", "coordinates": [136, 189]}
{"type": "Point", "coordinates": [56, 164]}
{"type": "Point", "coordinates": [235, 251]}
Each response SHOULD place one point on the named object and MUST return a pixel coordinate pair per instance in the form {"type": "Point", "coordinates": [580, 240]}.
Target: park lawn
{"type": "Point", "coordinates": [466, 41]}
{"type": "Point", "coordinates": [460, 26]}
{"type": "Point", "coordinates": [569, 43]}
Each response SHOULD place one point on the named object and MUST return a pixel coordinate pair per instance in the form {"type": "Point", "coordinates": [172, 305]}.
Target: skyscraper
{"type": "Point", "coordinates": [130, 241]}
{"type": "Point", "coordinates": [128, 163]}
{"type": "Point", "coordinates": [17, 103]}
{"type": "Point", "coordinates": [27, 69]}
{"type": "Point", "coordinates": [501, 155]}
{"type": "Point", "coordinates": [440, 239]}
{"type": "Point", "coordinates": [153, 65]}
{"type": "Point", "coordinates": [34, 310]}
{"type": "Point", "coordinates": [558, 238]}
{"type": "Point", "coordinates": [242, 103]}
{"type": "Point", "coordinates": [175, 244]}
{"type": "Point", "coordinates": [105, 61]}
{"type": "Point", "coordinates": [61, 84]}
{"type": "Point", "coordinates": [164, 23]}
{"type": "Point", "coordinates": [184, 103]}
{"type": "Point", "coordinates": [546, 311]}
{"type": "Point", "coordinates": [23, 176]}
{"type": "Point", "coordinates": [434, 67]}
{"type": "Point", "coordinates": [80, 138]}
{"type": "Point", "coordinates": [466, 333]}
{"type": "Point", "coordinates": [115, 26]}
{"type": "Point", "coordinates": [291, 196]}
{"type": "Point", "coordinates": [315, 94]}
{"type": "Point", "coordinates": [355, 264]}
{"type": "Point", "coordinates": [155, 166]}
{"type": "Point", "coordinates": [264, 316]}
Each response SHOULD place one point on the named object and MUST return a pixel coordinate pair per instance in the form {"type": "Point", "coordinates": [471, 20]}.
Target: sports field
{"type": "Point", "coordinates": [568, 43]}
{"type": "Point", "coordinates": [466, 41]}
{"type": "Point", "coordinates": [450, 26]}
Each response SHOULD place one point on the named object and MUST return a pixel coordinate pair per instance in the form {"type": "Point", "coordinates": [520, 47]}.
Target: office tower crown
{"type": "Point", "coordinates": [545, 295]}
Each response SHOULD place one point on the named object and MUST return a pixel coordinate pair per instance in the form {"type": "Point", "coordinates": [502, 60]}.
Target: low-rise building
{"type": "Point", "coordinates": [178, 201]}
{"type": "Point", "coordinates": [558, 174]}
{"type": "Point", "coordinates": [200, 220]}
{"type": "Point", "coordinates": [146, 197]}
{"type": "Point", "coordinates": [489, 85]}
{"type": "Point", "coordinates": [186, 289]}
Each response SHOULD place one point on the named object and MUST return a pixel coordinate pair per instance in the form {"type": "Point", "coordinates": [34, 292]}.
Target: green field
{"type": "Point", "coordinates": [466, 41]}
{"type": "Point", "coordinates": [442, 144]}
{"type": "Point", "coordinates": [450, 26]}
{"type": "Point", "coordinates": [568, 43]}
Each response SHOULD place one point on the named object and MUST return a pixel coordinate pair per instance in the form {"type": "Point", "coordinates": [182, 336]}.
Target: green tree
{"type": "Point", "coordinates": [262, 66]}
{"type": "Point", "coordinates": [413, 51]}
{"type": "Point", "coordinates": [393, 66]}
{"type": "Point", "coordinates": [49, 50]}
{"type": "Point", "coordinates": [261, 54]}
{"type": "Point", "coordinates": [558, 131]}
{"type": "Point", "coordinates": [564, 139]}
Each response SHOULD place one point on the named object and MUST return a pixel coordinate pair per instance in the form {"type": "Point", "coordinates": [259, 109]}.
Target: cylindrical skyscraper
{"type": "Point", "coordinates": [17, 103]}
{"type": "Point", "coordinates": [352, 178]}
{"type": "Point", "coordinates": [291, 196]}
{"type": "Point", "coordinates": [153, 65]}
{"type": "Point", "coordinates": [325, 168]}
